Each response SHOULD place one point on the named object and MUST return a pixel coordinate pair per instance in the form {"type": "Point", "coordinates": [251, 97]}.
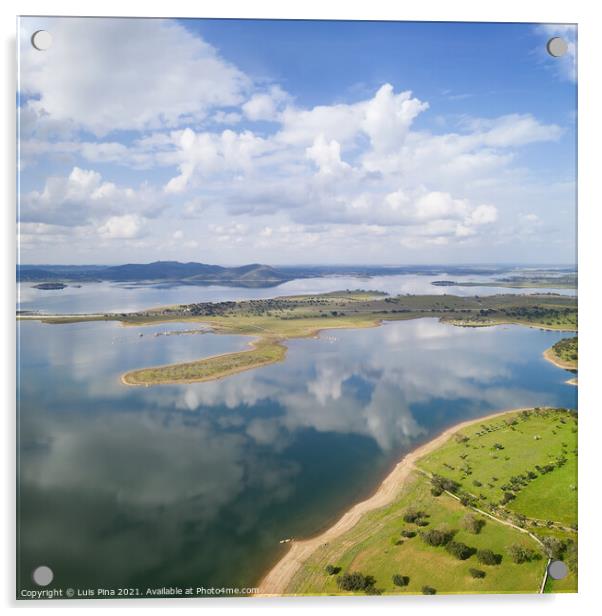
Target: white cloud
{"type": "Point", "coordinates": [106, 74]}
{"type": "Point", "coordinates": [327, 156]}
{"type": "Point", "coordinates": [204, 154]}
{"type": "Point", "coordinates": [565, 66]}
{"type": "Point", "coordinates": [121, 227]}
{"type": "Point", "coordinates": [314, 178]}
{"type": "Point", "coordinates": [83, 197]}
{"type": "Point", "coordinates": [265, 105]}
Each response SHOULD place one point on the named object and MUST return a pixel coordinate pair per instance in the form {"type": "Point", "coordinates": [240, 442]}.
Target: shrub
{"type": "Point", "coordinates": [437, 537]}
{"type": "Point", "coordinates": [355, 581]}
{"type": "Point", "coordinates": [412, 514]}
{"type": "Point", "coordinates": [476, 573]}
{"type": "Point", "coordinates": [408, 533]}
{"type": "Point", "coordinates": [443, 483]}
{"type": "Point", "coordinates": [400, 580]}
{"type": "Point", "coordinates": [473, 524]}
{"type": "Point", "coordinates": [332, 570]}
{"type": "Point", "coordinates": [459, 550]}
{"type": "Point", "coordinates": [421, 522]}
{"type": "Point", "coordinates": [428, 590]}
{"type": "Point", "coordinates": [554, 547]}
{"type": "Point", "coordinates": [508, 496]}
{"type": "Point", "coordinates": [487, 557]}
{"type": "Point", "coordinates": [521, 554]}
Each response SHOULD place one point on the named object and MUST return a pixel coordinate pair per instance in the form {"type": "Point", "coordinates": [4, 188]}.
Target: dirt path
{"type": "Point", "coordinates": [280, 576]}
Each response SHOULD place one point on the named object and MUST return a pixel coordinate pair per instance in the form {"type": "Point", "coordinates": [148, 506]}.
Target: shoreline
{"type": "Point", "coordinates": [282, 339]}
{"type": "Point", "coordinates": [559, 363]}
{"type": "Point", "coordinates": [276, 581]}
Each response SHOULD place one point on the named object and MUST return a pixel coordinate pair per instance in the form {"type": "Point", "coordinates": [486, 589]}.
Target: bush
{"type": "Point", "coordinates": [554, 547]}
{"type": "Point", "coordinates": [487, 557]}
{"type": "Point", "coordinates": [473, 524]}
{"type": "Point", "coordinates": [476, 573]}
{"type": "Point", "coordinates": [408, 533]}
{"type": "Point", "coordinates": [508, 496]}
{"type": "Point", "coordinates": [428, 590]}
{"type": "Point", "coordinates": [442, 483]}
{"type": "Point", "coordinates": [400, 580]}
{"type": "Point", "coordinates": [460, 550]}
{"type": "Point", "coordinates": [521, 554]}
{"type": "Point", "coordinates": [355, 581]}
{"type": "Point", "coordinates": [436, 537]}
{"type": "Point", "coordinates": [332, 570]}
{"type": "Point", "coordinates": [412, 514]}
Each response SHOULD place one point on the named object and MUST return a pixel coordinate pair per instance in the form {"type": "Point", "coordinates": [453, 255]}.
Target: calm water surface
{"type": "Point", "coordinates": [112, 297]}
{"type": "Point", "coordinates": [196, 484]}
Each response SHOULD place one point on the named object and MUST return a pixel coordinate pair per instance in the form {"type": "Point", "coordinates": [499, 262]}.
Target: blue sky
{"type": "Point", "coordinates": [232, 141]}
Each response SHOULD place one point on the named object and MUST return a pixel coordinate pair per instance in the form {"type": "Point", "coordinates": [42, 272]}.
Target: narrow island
{"type": "Point", "coordinates": [271, 322]}
{"type": "Point", "coordinates": [480, 508]}
{"type": "Point", "coordinates": [50, 286]}
{"type": "Point", "coordinates": [536, 281]}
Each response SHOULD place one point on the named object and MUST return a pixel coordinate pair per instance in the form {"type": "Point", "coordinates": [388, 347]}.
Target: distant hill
{"type": "Point", "coordinates": [158, 271]}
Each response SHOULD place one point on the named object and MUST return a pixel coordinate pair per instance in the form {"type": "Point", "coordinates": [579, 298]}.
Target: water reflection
{"type": "Point", "coordinates": [196, 484]}
{"type": "Point", "coordinates": [113, 297]}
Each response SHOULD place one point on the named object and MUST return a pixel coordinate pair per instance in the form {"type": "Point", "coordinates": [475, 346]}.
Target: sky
{"type": "Point", "coordinates": [296, 142]}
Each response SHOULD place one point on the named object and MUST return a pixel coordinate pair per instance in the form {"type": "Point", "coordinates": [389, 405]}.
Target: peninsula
{"type": "Point", "coordinates": [270, 322]}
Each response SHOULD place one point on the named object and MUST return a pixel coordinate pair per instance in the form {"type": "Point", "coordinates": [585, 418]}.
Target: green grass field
{"type": "Point", "coordinates": [491, 453]}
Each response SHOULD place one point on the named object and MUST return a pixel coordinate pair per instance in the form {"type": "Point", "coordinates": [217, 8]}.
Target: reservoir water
{"type": "Point", "coordinates": [194, 485]}
{"type": "Point", "coordinates": [114, 297]}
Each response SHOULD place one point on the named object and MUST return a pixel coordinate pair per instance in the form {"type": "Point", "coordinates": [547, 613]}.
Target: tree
{"type": "Point", "coordinates": [460, 550]}
{"type": "Point", "coordinates": [522, 554]}
{"type": "Point", "coordinates": [412, 514]}
{"type": "Point", "coordinates": [408, 533]}
{"type": "Point", "coordinates": [487, 557]}
{"type": "Point", "coordinates": [473, 524]}
{"type": "Point", "coordinates": [554, 547]}
{"type": "Point", "coordinates": [428, 590]}
{"type": "Point", "coordinates": [437, 537]}
{"type": "Point", "coordinates": [355, 581]}
{"type": "Point", "coordinates": [439, 482]}
{"type": "Point", "coordinates": [400, 580]}
{"type": "Point", "coordinates": [476, 573]}
{"type": "Point", "coordinates": [332, 570]}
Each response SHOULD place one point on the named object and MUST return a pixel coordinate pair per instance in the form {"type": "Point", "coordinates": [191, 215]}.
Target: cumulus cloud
{"type": "Point", "coordinates": [83, 197]}
{"type": "Point", "coordinates": [127, 226]}
{"type": "Point", "coordinates": [129, 74]}
{"type": "Point", "coordinates": [244, 162]}
{"type": "Point", "coordinates": [205, 154]}
{"type": "Point", "coordinates": [266, 105]}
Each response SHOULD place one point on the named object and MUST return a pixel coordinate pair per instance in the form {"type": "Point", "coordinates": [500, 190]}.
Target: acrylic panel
{"type": "Point", "coordinates": [297, 308]}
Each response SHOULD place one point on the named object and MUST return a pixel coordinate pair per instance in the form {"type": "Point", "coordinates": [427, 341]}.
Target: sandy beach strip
{"type": "Point", "coordinates": [560, 363]}
{"type": "Point", "coordinates": [279, 577]}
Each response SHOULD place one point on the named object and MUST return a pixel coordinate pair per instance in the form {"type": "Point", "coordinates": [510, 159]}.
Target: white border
{"type": "Point", "coordinates": [590, 105]}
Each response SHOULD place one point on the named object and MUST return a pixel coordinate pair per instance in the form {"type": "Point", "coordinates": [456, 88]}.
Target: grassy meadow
{"type": "Point", "coordinates": [480, 466]}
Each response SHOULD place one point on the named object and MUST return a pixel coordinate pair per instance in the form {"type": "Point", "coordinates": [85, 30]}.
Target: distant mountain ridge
{"type": "Point", "coordinates": [157, 271]}
{"type": "Point", "coordinates": [253, 274]}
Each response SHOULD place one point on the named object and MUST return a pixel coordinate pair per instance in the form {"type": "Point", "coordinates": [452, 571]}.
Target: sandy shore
{"type": "Point", "coordinates": [552, 358]}
{"type": "Point", "coordinates": [280, 576]}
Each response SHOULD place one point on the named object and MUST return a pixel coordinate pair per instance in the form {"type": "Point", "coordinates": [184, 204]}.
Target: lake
{"type": "Point", "coordinates": [121, 297]}
{"type": "Point", "coordinates": [195, 485]}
